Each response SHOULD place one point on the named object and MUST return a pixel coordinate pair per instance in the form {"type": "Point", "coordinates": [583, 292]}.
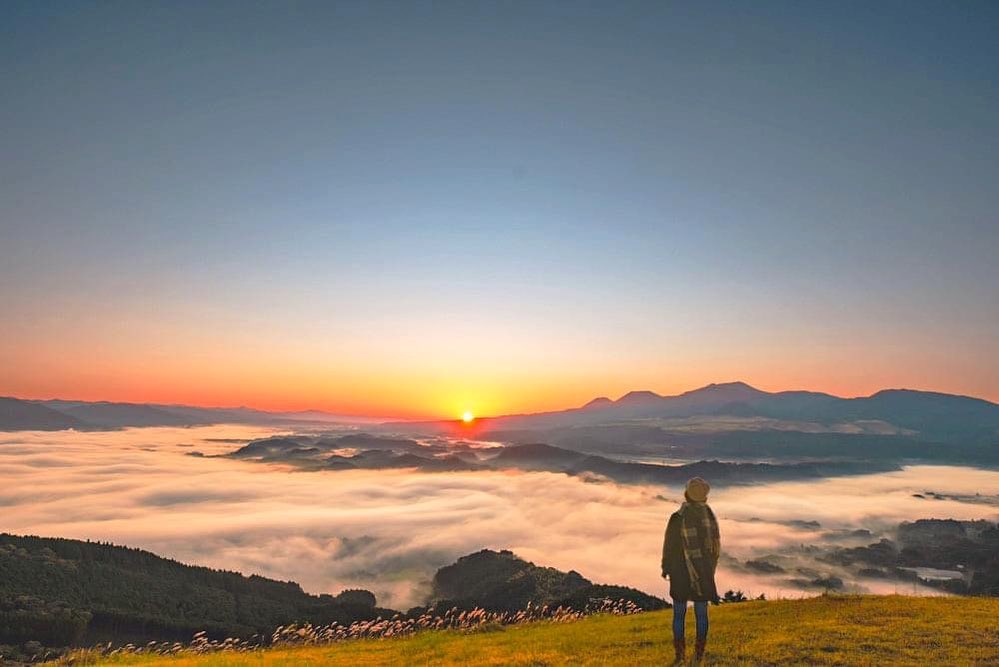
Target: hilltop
{"type": "Point", "coordinates": [500, 581]}
{"type": "Point", "coordinates": [828, 630]}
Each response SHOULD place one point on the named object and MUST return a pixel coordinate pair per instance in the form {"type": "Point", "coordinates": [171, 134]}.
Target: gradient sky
{"type": "Point", "coordinates": [420, 208]}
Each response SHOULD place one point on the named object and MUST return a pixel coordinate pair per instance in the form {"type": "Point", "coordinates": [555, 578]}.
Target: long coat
{"type": "Point", "coordinates": [674, 566]}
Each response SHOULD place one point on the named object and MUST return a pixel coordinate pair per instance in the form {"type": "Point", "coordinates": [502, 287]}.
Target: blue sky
{"type": "Point", "coordinates": [616, 195]}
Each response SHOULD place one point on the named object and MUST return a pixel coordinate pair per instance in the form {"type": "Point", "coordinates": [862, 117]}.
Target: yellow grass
{"type": "Point", "coordinates": [828, 630]}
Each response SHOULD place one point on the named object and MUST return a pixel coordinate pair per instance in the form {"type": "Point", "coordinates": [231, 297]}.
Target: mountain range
{"type": "Point", "coordinates": [739, 398]}
{"type": "Point", "coordinates": [56, 415]}
{"type": "Point", "coordinates": [928, 416]}
{"type": "Point", "coordinates": [925, 415]}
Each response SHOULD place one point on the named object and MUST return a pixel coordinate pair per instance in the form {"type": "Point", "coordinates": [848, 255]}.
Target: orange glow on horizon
{"type": "Point", "coordinates": [439, 369]}
{"type": "Point", "coordinates": [394, 398]}
{"type": "Point", "coordinates": [433, 385]}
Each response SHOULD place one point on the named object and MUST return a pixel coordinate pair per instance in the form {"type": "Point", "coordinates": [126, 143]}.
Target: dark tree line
{"type": "Point", "coordinates": [67, 592]}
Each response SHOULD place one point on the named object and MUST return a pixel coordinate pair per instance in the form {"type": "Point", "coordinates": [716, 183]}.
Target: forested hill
{"type": "Point", "coordinates": [57, 593]}
{"type": "Point", "coordinates": [60, 592]}
{"type": "Point", "coordinates": [501, 581]}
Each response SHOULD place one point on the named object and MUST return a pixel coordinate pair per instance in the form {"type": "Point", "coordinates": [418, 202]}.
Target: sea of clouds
{"type": "Point", "coordinates": [389, 530]}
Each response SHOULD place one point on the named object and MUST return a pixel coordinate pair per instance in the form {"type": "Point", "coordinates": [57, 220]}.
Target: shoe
{"type": "Point", "coordinates": [699, 649]}
{"type": "Point", "coordinates": [680, 649]}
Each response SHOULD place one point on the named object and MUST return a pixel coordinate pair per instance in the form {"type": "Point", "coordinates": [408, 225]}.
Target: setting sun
{"type": "Point", "coordinates": [467, 417]}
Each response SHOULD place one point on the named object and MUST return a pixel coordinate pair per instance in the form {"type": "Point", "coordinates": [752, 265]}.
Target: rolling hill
{"type": "Point", "coordinates": [500, 581]}
{"type": "Point", "coordinates": [310, 452]}
{"type": "Point", "coordinates": [61, 592]}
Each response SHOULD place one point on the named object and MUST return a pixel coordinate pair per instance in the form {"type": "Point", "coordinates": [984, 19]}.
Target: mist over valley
{"type": "Point", "coordinates": [806, 505]}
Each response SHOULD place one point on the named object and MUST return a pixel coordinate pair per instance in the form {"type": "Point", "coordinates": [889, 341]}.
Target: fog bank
{"type": "Point", "coordinates": [389, 530]}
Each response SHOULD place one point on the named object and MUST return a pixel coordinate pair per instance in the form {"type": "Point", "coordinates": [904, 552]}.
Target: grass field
{"type": "Point", "coordinates": [828, 630]}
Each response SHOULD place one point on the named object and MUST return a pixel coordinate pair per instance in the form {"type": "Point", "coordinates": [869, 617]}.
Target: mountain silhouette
{"type": "Point", "coordinates": [598, 403]}
{"type": "Point", "coordinates": [125, 414]}
{"type": "Point", "coordinates": [929, 415]}
{"type": "Point", "coordinates": [18, 415]}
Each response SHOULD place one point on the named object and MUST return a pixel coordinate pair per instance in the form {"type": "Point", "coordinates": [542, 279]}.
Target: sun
{"type": "Point", "coordinates": [467, 417]}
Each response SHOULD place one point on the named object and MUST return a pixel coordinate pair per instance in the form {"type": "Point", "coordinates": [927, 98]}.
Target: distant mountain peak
{"type": "Point", "coordinates": [910, 392]}
{"type": "Point", "coordinates": [738, 384]}
{"type": "Point", "coordinates": [736, 390]}
{"type": "Point", "coordinates": [639, 397]}
{"type": "Point", "coordinates": [599, 402]}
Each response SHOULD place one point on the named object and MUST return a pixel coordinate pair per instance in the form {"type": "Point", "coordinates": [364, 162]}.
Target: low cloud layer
{"type": "Point", "coordinates": [389, 530]}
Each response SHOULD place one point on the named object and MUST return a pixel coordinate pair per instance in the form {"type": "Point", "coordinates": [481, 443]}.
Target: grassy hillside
{"type": "Point", "coordinates": [832, 630]}
{"type": "Point", "coordinates": [67, 592]}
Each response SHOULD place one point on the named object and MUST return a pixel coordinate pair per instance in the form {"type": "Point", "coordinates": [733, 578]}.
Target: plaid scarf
{"type": "Point", "coordinates": [701, 542]}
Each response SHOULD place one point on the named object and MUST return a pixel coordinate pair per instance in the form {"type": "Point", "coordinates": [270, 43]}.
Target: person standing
{"type": "Point", "coordinates": [691, 548]}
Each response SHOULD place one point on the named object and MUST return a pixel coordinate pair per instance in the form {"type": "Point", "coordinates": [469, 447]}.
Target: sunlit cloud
{"type": "Point", "coordinates": [389, 530]}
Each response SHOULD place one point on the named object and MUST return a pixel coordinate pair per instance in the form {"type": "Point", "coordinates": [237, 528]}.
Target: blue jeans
{"type": "Point", "coordinates": [680, 615]}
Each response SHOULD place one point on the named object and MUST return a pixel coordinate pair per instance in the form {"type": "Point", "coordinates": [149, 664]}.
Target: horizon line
{"type": "Point", "coordinates": [430, 418]}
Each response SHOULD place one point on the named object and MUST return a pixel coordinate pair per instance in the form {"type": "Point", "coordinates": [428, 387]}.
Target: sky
{"type": "Point", "coordinates": [417, 209]}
